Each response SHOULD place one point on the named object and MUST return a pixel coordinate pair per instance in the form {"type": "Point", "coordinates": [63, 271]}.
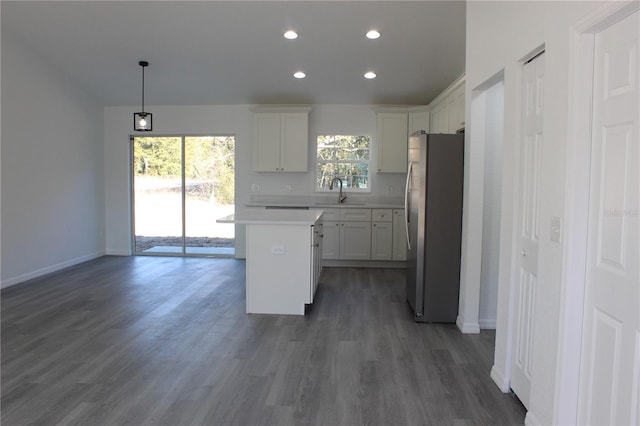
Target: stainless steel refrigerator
{"type": "Point", "coordinates": [433, 216]}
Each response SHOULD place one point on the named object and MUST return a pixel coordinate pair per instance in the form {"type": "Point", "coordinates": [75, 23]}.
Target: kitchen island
{"type": "Point", "coordinates": [284, 258]}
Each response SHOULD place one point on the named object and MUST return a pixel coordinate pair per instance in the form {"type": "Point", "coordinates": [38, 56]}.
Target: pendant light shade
{"type": "Point", "coordinates": [142, 121]}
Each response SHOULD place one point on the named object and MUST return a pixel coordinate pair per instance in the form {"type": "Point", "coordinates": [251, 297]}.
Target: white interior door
{"type": "Point", "coordinates": [610, 368]}
{"type": "Point", "coordinates": [528, 226]}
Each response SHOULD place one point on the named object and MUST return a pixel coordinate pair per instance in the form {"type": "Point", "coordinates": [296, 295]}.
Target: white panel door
{"type": "Point", "coordinates": [610, 368]}
{"type": "Point", "coordinates": [528, 227]}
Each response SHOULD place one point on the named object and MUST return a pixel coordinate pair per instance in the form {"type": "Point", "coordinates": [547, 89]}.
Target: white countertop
{"type": "Point", "coordinates": [262, 216]}
{"type": "Point", "coordinates": [325, 202]}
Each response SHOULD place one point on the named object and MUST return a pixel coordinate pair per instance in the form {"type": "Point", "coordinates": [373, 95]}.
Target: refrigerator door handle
{"type": "Point", "coordinates": [407, 194]}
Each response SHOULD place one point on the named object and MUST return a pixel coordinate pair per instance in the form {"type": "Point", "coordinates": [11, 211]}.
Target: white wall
{"type": "Point", "coordinates": [494, 114]}
{"type": "Point", "coordinates": [52, 169]}
{"type": "Point", "coordinates": [224, 119]}
{"type": "Point", "coordinates": [499, 35]}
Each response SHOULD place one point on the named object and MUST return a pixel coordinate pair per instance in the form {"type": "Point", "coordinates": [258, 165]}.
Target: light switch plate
{"type": "Point", "coordinates": [556, 229]}
{"type": "Point", "coordinates": [277, 250]}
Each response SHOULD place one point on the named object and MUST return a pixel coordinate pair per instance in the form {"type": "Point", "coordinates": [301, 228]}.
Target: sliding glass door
{"type": "Point", "coordinates": [181, 185]}
{"type": "Point", "coordinates": [209, 183]}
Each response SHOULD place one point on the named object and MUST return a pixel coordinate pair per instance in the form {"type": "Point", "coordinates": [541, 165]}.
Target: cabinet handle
{"type": "Point", "coordinates": [316, 245]}
{"type": "Point", "coordinates": [374, 224]}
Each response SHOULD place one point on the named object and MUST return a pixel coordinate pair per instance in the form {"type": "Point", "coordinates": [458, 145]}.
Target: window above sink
{"type": "Point", "coordinates": [346, 157]}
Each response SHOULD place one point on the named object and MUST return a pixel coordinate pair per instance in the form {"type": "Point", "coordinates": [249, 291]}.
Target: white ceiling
{"type": "Point", "coordinates": [233, 52]}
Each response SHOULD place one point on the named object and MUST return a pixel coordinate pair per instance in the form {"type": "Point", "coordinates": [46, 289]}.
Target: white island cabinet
{"type": "Point", "coordinates": [284, 258]}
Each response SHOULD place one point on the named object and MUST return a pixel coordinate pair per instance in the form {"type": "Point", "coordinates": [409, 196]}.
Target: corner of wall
{"type": "Point", "coordinates": [467, 327]}
{"type": "Point", "coordinates": [499, 379]}
{"type": "Point", "coordinates": [531, 420]}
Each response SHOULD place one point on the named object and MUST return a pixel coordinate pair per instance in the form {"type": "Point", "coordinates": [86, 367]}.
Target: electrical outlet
{"type": "Point", "coordinates": [255, 187]}
{"type": "Point", "coordinates": [391, 189]}
{"type": "Point", "coordinates": [288, 188]}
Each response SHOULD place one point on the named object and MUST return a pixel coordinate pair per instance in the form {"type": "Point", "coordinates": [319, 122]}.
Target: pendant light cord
{"type": "Point", "coordinates": [143, 64]}
{"type": "Point", "coordinates": [142, 88]}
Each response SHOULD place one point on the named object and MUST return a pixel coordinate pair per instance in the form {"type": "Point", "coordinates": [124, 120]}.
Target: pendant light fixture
{"type": "Point", "coordinates": [142, 120]}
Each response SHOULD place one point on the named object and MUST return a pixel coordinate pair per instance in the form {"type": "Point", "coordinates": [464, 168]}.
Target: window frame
{"type": "Point", "coordinates": [367, 162]}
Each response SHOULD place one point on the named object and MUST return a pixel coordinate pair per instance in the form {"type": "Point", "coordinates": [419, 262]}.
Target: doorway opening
{"type": "Point", "coordinates": [493, 103]}
{"type": "Point", "coordinates": [180, 186]}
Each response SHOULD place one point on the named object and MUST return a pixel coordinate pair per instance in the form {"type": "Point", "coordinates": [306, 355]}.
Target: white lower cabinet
{"type": "Point", "coordinates": [355, 240]}
{"type": "Point", "coordinates": [331, 241]}
{"type": "Point", "coordinates": [316, 256]}
{"type": "Point", "coordinates": [363, 234]}
{"type": "Point", "coordinates": [347, 240]}
{"type": "Point", "coordinates": [381, 240]}
{"type": "Point", "coordinates": [347, 234]}
{"type": "Point", "coordinates": [283, 267]}
{"type": "Point", "coordinates": [381, 234]}
{"type": "Point", "coordinates": [399, 236]}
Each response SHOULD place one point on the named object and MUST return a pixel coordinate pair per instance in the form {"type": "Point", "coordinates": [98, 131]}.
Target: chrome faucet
{"type": "Point", "coordinates": [342, 196]}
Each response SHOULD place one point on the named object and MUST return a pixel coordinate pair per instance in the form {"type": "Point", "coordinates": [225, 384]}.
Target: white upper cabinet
{"type": "Point", "coordinates": [418, 120]}
{"type": "Point", "coordinates": [281, 140]}
{"type": "Point", "coordinates": [392, 142]}
{"type": "Point", "coordinates": [266, 142]}
{"type": "Point", "coordinates": [448, 109]}
{"type": "Point", "coordinates": [459, 110]}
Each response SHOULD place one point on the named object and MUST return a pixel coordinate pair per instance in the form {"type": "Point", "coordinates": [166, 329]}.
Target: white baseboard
{"type": "Point", "coordinates": [531, 420]}
{"type": "Point", "coordinates": [487, 324]}
{"type": "Point", "coordinates": [49, 269]}
{"type": "Point", "coordinates": [467, 327]}
{"type": "Point", "coordinates": [499, 379]}
{"type": "Point", "coordinates": [118, 252]}
{"type": "Point", "coordinates": [333, 263]}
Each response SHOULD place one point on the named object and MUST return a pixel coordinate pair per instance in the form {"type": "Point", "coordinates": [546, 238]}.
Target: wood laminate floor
{"type": "Point", "coordinates": [153, 340]}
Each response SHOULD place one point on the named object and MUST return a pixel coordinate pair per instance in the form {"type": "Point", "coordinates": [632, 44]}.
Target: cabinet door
{"type": "Point", "coordinates": [418, 121]}
{"type": "Point", "coordinates": [381, 240]}
{"type": "Point", "coordinates": [392, 142]}
{"type": "Point", "coordinates": [443, 117]}
{"type": "Point", "coordinates": [294, 147]}
{"type": "Point", "coordinates": [433, 121]}
{"type": "Point", "coordinates": [316, 258]}
{"type": "Point", "coordinates": [331, 240]}
{"type": "Point", "coordinates": [459, 107]}
{"type": "Point", "coordinates": [355, 240]}
{"type": "Point", "coordinates": [355, 215]}
{"type": "Point", "coordinates": [381, 215]}
{"type": "Point", "coordinates": [399, 236]}
{"type": "Point", "coordinates": [266, 142]}
{"type": "Point", "coordinates": [452, 112]}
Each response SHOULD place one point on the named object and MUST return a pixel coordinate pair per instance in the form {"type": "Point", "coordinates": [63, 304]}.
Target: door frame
{"type": "Point", "coordinates": [132, 202]}
{"type": "Point", "coordinates": [577, 205]}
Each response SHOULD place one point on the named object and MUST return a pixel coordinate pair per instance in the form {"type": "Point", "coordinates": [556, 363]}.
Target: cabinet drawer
{"type": "Point", "coordinates": [355, 215]}
{"type": "Point", "coordinates": [381, 215]}
{"type": "Point", "coordinates": [331, 215]}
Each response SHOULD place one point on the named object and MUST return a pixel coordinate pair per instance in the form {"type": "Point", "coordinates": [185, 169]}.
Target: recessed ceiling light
{"type": "Point", "coordinates": [299, 74]}
{"type": "Point", "coordinates": [291, 35]}
{"type": "Point", "coordinates": [373, 34]}
{"type": "Point", "coordinates": [370, 75]}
